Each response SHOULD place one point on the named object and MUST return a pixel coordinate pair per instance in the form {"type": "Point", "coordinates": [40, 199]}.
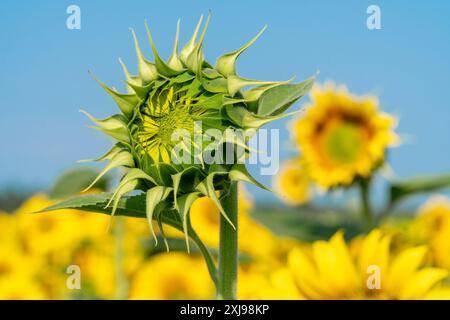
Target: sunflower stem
{"type": "Point", "coordinates": [364, 185]}
{"type": "Point", "coordinates": [228, 246]}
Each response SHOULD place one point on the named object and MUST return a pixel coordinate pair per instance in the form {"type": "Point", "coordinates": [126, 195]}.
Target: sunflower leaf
{"type": "Point", "coordinates": [75, 180]}
{"type": "Point", "coordinates": [278, 99]}
{"type": "Point", "coordinates": [416, 185]}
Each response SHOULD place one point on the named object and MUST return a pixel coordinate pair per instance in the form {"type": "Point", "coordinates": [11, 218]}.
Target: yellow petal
{"type": "Point", "coordinates": [403, 268]}
{"type": "Point", "coordinates": [421, 282]}
{"type": "Point", "coordinates": [305, 274]}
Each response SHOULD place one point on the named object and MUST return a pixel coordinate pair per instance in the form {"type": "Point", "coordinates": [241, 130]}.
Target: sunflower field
{"type": "Point", "coordinates": [173, 217]}
{"type": "Point", "coordinates": [311, 252]}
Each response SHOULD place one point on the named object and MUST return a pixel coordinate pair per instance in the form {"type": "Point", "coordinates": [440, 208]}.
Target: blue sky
{"type": "Point", "coordinates": [44, 79]}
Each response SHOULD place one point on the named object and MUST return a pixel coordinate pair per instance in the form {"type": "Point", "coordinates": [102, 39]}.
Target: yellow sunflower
{"type": "Point", "coordinates": [166, 277]}
{"type": "Point", "coordinates": [292, 183]}
{"type": "Point", "coordinates": [432, 225]}
{"type": "Point", "coordinates": [341, 136]}
{"type": "Point", "coordinates": [275, 285]}
{"type": "Point", "coordinates": [367, 269]}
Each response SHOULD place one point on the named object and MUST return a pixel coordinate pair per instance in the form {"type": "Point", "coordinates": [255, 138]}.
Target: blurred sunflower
{"type": "Point", "coordinates": [48, 233]}
{"type": "Point", "coordinates": [432, 225]}
{"type": "Point", "coordinates": [18, 287]}
{"type": "Point", "coordinates": [18, 270]}
{"type": "Point", "coordinates": [341, 136]}
{"type": "Point", "coordinates": [165, 277]}
{"type": "Point", "coordinates": [333, 270]}
{"type": "Point", "coordinates": [292, 183]}
{"type": "Point", "coordinates": [275, 285]}
{"type": "Point", "coordinates": [255, 239]}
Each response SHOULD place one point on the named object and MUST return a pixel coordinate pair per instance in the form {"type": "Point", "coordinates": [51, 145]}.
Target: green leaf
{"type": "Point", "coordinates": [236, 83]}
{"type": "Point", "coordinates": [74, 181]}
{"type": "Point", "coordinates": [132, 206]}
{"type": "Point", "coordinates": [416, 185]}
{"type": "Point", "coordinates": [278, 99]}
{"type": "Point", "coordinates": [307, 223]}
{"type": "Point", "coordinates": [247, 119]}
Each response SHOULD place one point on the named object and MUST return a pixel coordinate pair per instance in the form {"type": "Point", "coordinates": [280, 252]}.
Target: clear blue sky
{"type": "Point", "coordinates": [44, 79]}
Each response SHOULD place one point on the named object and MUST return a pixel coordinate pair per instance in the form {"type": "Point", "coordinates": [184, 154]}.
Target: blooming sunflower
{"type": "Point", "coordinates": [432, 225]}
{"type": "Point", "coordinates": [293, 183]}
{"type": "Point", "coordinates": [163, 277]}
{"type": "Point", "coordinates": [333, 270]}
{"type": "Point", "coordinates": [341, 136]}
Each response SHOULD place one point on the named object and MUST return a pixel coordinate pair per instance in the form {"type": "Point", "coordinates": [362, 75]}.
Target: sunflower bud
{"type": "Point", "coordinates": [185, 97]}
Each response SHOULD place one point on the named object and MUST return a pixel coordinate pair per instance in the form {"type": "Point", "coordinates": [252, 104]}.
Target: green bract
{"type": "Point", "coordinates": [178, 94]}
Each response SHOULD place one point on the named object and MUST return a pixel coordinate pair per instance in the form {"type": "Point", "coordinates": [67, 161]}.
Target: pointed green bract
{"type": "Point", "coordinates": [226, 64]}
{"type": "Point", "coordinates": [107, 156]}
{"type": "Point", "coordinates": [114, 126]}
{"type": "Point", "coordinates": [239, 173]}
{"type": "Point", "coordinates": [206, 187]}
{"type": "Point", "coordinates": [121, 159]}
{"type": "Point", "coordinates": [185, 202]}
{"type": "Point", "coordinates": [174, 60]}
{"type": "Point", "coordinates": [147, 70]}
{"type": "Point", "coordinates": [189, 47]}
{"type": "Point", "coordinates": [125, 102]}
{"type": "Point", "coordinates": [161, 66]}
{"type": "Point", "coordinates": [154, 197]}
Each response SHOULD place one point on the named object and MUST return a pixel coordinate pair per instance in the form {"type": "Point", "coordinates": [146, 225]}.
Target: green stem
{"type": "Point", "coordinates": [228, 246]}
{"type": "Point", "coordinates": [366, 209]}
